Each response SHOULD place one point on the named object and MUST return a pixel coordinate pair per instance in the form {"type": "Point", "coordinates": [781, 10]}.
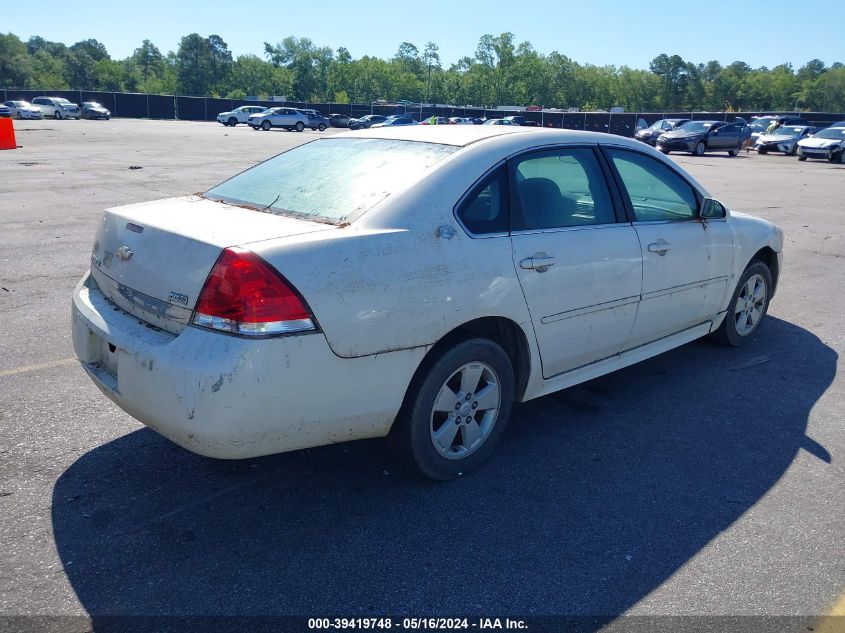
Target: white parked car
{"type": "Point", "coordinates": [410, 282]}
{"type": "Point", "coordinates": [23, 110]}
{"type": "Point", "coordinates": [287, 118]}
{"type": "Point", "coordinates": [828, 143]}
{"type": "Point", "coordinates": [784, 139]}
{"type": "Point", "coordinates": [239, 115]}
{"type": "Point", "coordinates": [57, 107]}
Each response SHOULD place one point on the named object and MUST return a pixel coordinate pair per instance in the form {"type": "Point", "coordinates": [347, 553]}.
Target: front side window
{"type": "Point", "coordinates": [656, 192]}
{"type": "Point", "coordinates": [332, 180]}
{"type": "Point", "coordinates": [560, 188]}
{"type": "Point", "coordinates": [485, 210]}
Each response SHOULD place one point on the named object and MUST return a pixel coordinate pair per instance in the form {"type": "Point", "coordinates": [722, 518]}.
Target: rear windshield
{"type": "Point", "coordinates": [331, 179]}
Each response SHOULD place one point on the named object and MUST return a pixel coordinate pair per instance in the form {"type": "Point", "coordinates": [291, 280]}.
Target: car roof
{"type": "Point", "coordinates": [464, 135]}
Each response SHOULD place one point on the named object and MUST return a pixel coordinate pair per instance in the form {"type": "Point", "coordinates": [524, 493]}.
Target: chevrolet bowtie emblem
{"type": "Point", "coordinates": [124, 253]}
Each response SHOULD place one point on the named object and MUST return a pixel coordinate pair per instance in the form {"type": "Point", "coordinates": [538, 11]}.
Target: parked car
{"type": "Point", "coordinates": [57, 107]}
{"type": "Point", "coordinates": [760, 124]}
{"type": "Point", "coordinates": [697, 137]}
{"type": "Point", "coordinates": [339, 120]}
{"type": "Point", "coordinates": [649, 134]}
{"type": "Point", "coordinates": [459, 120]}
{"type": "Point", "coordinates": [316, 119]}
{"type": "Point", "coordinates": [521, 120]}
{"type": "Point", "coordinates": [396, 119]}
{"type": "Point", "coordinates": [435, 120]}
{"type": "Point", "coordinates": [275, 312]}
{"type": "Point", "coordinates": [366, 121]}
{"type": "Point", "coordinates": [828, 143]}
{"type": "Point", "coordinates": [239, 115]}
{"type": "Point", "coordinates": [93, 110]}
{"type": "Point", "coordinates": [287, 118]}
{"type": "Point", "coordinates": [23, 110]}
{"type": "Point", "coordinates": [784, 139]}
{"type": "Point", "coordinates": [5, 111]}
{"type": "Point", "coordinates": [837, 124]}
{"type": "Point", "coordinates": [499, 122]}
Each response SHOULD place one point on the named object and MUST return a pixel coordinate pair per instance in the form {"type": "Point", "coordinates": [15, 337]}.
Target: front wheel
{"type": "Point", "coordinates": [232, 121]}
{"type": "Point", "coordinates": [802, 158]}
{"type": "Point", "coordinates": [762, 150]}
{"type": "Point", "coordinates": [57, 115]}
{"type": "Point", "coordinates": [266, 125]}
{"type": "Point", "coordinates": [733, 152]}
{"type": "Point", "coordinates": [699, 149]}
{"type": "Point", "coordinates": [456, 409]}
{"type": "Point", "coordinates": [300, 126]}
{"type": "Point", "coordinates": [665, 151]}
{"type": "Point", "coordinates": [748, 306]}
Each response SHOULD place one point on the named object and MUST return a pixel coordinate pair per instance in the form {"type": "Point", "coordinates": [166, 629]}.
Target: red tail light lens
{"type": "Point", "coordinates": [245, 295]}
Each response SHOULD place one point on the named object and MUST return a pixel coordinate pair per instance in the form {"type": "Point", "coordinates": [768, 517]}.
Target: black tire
{"type": "Point", "coordinates": [802, 158]}
{"type": "Point", "coordinates": [232, 121]}
{"type": "Point", "coordinates": [266, 125]}
{"type": "Point", "coordinates": [699, 149]}
{"type": "Point", "coordinates": [665, 151]}
{"type": "Point", "coordinates": [57, 115]}
{"type": "Point", "coordinates": [254, 127]}
{"type": "Point", "coordinates": [300, 126]}
{"type": "Point", "coordinates": [734, 152]}
{"type": "Point", "coordinates": [762, 150]}
{"type": "Point", "coordinates": [411, 435]}
{"type": "Point", "coordinates": [322, 127]}
{"type": "Point", "coordinates": [727, 332]}
{"type": "Point", "coordinates": [794, 150]}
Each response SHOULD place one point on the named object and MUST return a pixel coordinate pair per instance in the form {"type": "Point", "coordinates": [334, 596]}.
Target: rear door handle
{"type": "Point", "coordinates": [661, 247]}
{"type": "Point", "coordinates": [540, 263]}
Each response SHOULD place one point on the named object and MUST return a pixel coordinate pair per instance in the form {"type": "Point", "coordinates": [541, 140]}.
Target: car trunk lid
{"type": "Point", "coordinates": [152, 259]}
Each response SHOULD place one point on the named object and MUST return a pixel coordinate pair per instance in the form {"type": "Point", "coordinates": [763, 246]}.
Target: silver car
{"type": "Point", "coordinates": [784, 139]}
{"type": "Point", "coordinates": [23, 110]}
{"type": "Point", "coordinates": [57, 107]}
{"type": "Point", "coordinates": [287, 118]}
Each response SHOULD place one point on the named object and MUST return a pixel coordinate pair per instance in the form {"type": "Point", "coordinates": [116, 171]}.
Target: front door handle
{"type": "Point", "coordinates": [661, 247]}
{"type": "Point", "coordinates": [540, 263]}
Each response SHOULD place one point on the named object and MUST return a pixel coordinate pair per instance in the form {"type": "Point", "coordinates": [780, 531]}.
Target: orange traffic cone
{"type": "Point", "coordinates": [7, 134]}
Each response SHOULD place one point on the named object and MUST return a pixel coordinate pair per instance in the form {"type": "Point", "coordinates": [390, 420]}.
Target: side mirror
{"type": "Point", "coordinates": [712, 209]}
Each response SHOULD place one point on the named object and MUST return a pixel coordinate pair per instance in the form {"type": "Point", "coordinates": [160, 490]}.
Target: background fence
{"type": "Point", "coordinates": [147, 106]}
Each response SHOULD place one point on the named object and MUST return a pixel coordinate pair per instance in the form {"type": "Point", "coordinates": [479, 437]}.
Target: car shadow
{"type": "Point", "coordinates": [594, 498]}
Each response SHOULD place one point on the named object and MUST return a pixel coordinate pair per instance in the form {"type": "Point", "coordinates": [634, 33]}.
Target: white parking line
{"type": "Point", "coordinates": [36, 367]}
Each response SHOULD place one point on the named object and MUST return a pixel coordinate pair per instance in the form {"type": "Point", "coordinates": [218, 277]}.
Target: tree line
{"type": "Point", "coordinates": [500, 72]}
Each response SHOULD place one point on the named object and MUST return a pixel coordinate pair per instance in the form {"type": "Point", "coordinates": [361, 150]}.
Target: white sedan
{"type": "Point", "coordinates": [423, 280]}
{"type": "Point", "coordinates": [24, 110]}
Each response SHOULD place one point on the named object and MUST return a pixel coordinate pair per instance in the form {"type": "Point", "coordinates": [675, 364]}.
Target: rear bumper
{"type": "Point", "coordinates": [231, 398]}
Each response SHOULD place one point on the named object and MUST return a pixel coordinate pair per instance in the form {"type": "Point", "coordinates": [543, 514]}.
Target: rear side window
{"type": "Point", "coordinates": [656, 192]}
{"type": "Point", "coordinates": [561, 188]}
{"type": "Point", "coordinates": [485, 210]}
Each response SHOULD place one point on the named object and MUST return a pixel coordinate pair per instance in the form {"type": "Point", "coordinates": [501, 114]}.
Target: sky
{"type": "Point", "coordinates": [588, 31]}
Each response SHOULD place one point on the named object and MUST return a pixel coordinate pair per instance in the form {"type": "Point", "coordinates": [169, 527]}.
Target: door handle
{"type": "Point", "coordinates": [540, 263]}
{"type": "Point", "coordinates": [661, 247]}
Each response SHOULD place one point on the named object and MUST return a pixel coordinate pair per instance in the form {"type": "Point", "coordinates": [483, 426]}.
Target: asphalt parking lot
{"type": "Point", "coordinates": [706, 481]}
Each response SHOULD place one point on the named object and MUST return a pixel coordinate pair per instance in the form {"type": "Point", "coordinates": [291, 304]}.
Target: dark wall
{"type": "Point", "coordinates": [132, 105]}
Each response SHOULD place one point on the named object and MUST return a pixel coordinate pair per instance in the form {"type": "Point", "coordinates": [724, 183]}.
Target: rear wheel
{"type": "Point", "coordinates": [748, 306]}
{"type": "Point", "coordinates": [699, 149]}
{"type": "Point", "coordinates": [266, 125]}
{"type": "Point", "coordinates": [322, 127]}
{"type": "Point", "coordinates": [300, 126]}
{"type": "Point", "coordinates": [232, 121]}
{"type": "Point", "coordinates": [456, 409]}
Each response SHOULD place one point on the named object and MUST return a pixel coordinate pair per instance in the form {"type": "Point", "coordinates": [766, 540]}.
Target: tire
{"type": "Point", "coordinates": [266, 125]}
{"type": "Point", "coordinates": [322, 127]}
{"type": "Point", "coordinates": [665, 151]}
{"type": "Point", "coordinates": [442, 431]}
{"type": "Point", "coordinates": [254, 127]}
{"type": "Point", "coordinates": [744, 314]}
{"type": "Point", "coordinates": [232, 121]}
{"type": "Point", "coordinates": [762, 150]}
{"type": "Point", "coordinates": [57, 115]}
{"type": "Point", "coordinates": [802, 158]}
{"type": "Point", "coordinates": [794, 150]}
{"type": "Point", "coordinates": [300, 126]}
{"type": "Point", "coordinates": [734, 152]}
{"type": "Point", "coordinates": [699, 149]}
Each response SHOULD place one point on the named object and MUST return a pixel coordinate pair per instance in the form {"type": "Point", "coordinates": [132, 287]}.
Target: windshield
{"type": "Point", "coordinates": [761, 123]}
{"type": "Point", "coordinates": [331, 179]}
{"type": "Point", "coordinates": [788, 131]}
{"type": "Point", "coordinates": [831, 132]}
{"type": "Point", "coordinates": [62, 100]}
{"type": "Point", "coordinates": [696, 126]}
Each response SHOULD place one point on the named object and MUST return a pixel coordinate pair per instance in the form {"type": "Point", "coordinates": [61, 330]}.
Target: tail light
{"type": "Point", "coordinates": [244, 295]}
